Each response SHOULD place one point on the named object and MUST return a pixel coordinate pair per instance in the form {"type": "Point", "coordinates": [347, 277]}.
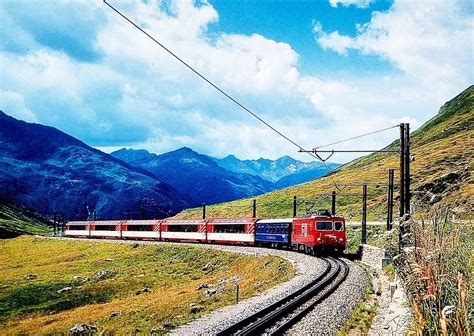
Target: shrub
{"type": "Point", "coordinates": [437, 270]}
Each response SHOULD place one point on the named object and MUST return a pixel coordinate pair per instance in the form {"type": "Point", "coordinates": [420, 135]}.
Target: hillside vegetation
{"type": "Point", "coordinates": [49, 285]}
{"type": "Point", "coordinates": [442, 151]}
{"type": "Point", "coordinates": [15, 221]}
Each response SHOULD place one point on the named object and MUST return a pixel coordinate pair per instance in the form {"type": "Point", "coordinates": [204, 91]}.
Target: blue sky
{"type": "Point", "coordinates": [291, 22]}
{"type": "Point", "coordinates": [319, 71]}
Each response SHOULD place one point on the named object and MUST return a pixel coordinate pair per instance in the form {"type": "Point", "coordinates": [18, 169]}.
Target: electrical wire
{"type": "Point", "coordinates": [205, 78]}
{"type": "Point", "coordinates": [356, 137]}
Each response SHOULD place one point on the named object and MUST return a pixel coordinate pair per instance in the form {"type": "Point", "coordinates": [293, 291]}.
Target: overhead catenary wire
{"type": "Point", "coordinates": [205, 78]}
{"type": "Point", "coordinates": [357, 137]}
{"type": "Point", "coordinates": [221, 90]}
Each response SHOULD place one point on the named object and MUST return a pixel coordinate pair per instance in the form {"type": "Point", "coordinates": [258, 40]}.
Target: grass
{"type": "Point", "coordinates": [442, 145]}
{"type": "Point", "coordinates": [390, 271]}
{"type": "Point", "coordinates": [437, 270]}
{"type": "Point", "coordinates": [171, 272]}
{"type": "Point", "coordinates": [14, 220]}
{"type": "Point", "coordinates": [361, 318]}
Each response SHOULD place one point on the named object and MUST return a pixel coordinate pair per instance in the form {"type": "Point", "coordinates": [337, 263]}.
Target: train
{"type": "Point", "coordinates": [310, 234]}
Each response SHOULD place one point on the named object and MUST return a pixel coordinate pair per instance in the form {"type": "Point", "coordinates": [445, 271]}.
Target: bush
{"type": "Point", "coordinates": [437, 270]}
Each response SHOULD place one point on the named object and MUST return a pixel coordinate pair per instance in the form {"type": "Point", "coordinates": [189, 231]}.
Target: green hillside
{"type": "Point", "coordinates": [15, 221]}
{"type": "Point", "coordinates": [442, 151]}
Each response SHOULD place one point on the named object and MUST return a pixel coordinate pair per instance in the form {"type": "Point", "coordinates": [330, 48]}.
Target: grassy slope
{"type": "Point", "coordinates": [171, 272]}
{"type": "Point", "coordinates": [444, 144]}
{"type": "Point", "coordinates": [20, 221]}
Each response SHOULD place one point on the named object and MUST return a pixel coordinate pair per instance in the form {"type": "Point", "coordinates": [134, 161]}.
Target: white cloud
{"type": "Point", "coordinates": [332, 41]}
{"type": "Point", "coordinates": [347, 3]}
{"type": "Point", "coordinates": [428, 40]}
{"type": "Point", "coordinates": [14, 104]}
{"type": "Point", "coordinates": [240, 62]}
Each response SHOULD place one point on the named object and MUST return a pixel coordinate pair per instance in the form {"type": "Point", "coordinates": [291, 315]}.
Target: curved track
{"type": "Point", "coordinates": [283, 314]}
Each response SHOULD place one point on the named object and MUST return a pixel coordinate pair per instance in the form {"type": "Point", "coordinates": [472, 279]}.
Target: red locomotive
{"type": "Point", "coordinates": [316, 233]}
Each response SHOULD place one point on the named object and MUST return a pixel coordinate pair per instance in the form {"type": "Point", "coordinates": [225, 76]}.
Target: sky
{"type": "Point", "coordinates": [317, 70]}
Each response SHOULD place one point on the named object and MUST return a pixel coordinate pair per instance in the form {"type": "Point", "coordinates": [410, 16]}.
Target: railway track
{"type": "Point", "coordinates": [280, 316]}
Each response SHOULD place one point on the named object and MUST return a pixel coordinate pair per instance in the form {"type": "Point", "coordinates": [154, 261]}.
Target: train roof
{"type": "Point", "coordinates": [275, 220]}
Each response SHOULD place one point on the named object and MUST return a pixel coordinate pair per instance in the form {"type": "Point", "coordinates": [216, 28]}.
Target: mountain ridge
{"type": "Point", "coordinates": [199, 178]}
{"type": "Point", "coordinates": [277, 171]}
{"type": "Point", "coordinates": [47, 170]}
{"type": "Point", "coordinates": [232, 179]}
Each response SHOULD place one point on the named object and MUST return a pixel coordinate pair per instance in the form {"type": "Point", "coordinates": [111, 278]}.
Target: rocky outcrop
{"type": "Point", "coordinates": [434, 191]}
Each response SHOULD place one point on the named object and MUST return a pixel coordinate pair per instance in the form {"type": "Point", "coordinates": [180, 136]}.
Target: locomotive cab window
{"type": "Point", "coordinates": [324, 226]}
{"type": "Point", "coordinates": [338, 226]}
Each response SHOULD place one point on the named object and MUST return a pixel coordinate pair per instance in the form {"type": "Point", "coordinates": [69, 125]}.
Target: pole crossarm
{"type": "Point", "coordinates": [381, 184]}
{"type": "Point", "coordinates": [315, 151]}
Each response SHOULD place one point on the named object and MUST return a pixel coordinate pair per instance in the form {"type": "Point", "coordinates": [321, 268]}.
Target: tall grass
{"type": "Point", "coordinates": [438, 271]}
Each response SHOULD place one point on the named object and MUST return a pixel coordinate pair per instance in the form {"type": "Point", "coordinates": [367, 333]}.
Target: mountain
{"type": "Point", "coordinates": [16, 220]}
{"type": "Point", "coordinates": [47, 170]}
{"type": "Point", "coordinates": [442, 151]}
{"type": "Point", "coordinates": [304, 175]}
{"type": "Point", "coordinates": [284, 171]}
{"type": "Point", "coordinates": [198, 177]}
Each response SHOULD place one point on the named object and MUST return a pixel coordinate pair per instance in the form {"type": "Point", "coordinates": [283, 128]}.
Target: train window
{"type": "Point", "coordinates": [324, 226]}
{"type": "Point", "coordinates": [77, 227]}
{"type": "Point", "coordinates": [230, 228]}
{"type": "Point", "coordinates": [140, 228]}
{"type": "Point", "coordinates": [182, 228]}
{"type": "Point", "coordinates": [105, 228]}
{"type": "Point", "coordinates": [338, 226]}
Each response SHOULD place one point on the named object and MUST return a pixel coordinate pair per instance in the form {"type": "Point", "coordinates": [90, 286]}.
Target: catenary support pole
{"type": "Point", "coordinates": [402, 170]}
{"type": "Point", "coordinates": [254, 208]}
{"type": "Point", "coordinates": [204, 211]}
{"type": "Point", "coordinates": [333, 203]}
{"type": "Point", "coordinates": [364, 215]}
{"type": "Point", "coordinates": [407, 169]}
{"type": "Point", "coordinates": [390, 199]}
{"type": "Point", "coordinates": [294, 206]}
{"type": "Point", "coordinates": [61, 221]}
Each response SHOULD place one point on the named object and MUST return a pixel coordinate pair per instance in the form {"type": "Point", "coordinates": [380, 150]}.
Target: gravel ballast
{"type": "Point", "coordinates": [308, 268]}
{"type": "Point", "coordinates": [329, 316]}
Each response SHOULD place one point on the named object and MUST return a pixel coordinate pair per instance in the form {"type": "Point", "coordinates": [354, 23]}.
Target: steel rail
{"type": "Point", "coordinates": [266, 317]}
{"type": "Point", "coordinates": [233, 329]}
{"type": "Point", "coordinates": [285, 326]}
